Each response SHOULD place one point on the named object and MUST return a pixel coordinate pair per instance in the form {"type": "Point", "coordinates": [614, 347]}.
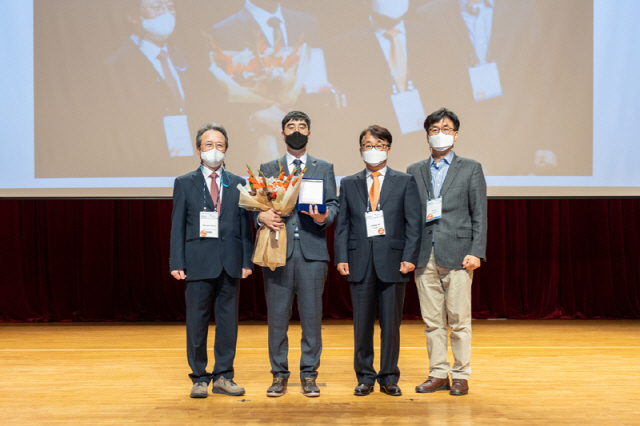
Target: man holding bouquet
{"type": "Point", "coordinates": [305, 271]}
{"type": "Point", "coordinates": [211, 248]}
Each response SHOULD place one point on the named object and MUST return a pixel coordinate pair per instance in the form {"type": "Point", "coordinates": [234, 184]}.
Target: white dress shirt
{"type": "Point", "coordinates": [262, 17]}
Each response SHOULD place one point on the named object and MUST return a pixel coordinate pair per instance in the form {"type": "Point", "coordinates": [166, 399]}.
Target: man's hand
{"type": "Point", "coordinates": [406, 267]}
{"type": "Point", "coordinates": [246, 272]}
{"type": "Point", "coordinates": [471, 262]}
{"type": "Point", "coordinates": [179, 274]}
{"type": "Point", "coordinates": [272, 219]}
{"type": "Point", "coordinates": [315, 215]}
{"type": "Point", "coordinates": [343, 268]}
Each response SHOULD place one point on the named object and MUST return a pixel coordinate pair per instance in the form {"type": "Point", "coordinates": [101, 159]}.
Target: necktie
{"type": "Point", "coordinates": [398, 59]}
{"type": "Point", "coordinates": [274, 23]}
{"type": "Point", "coordinates": [374, 192]}
{"type": "Point", "coordinates": [297, 163]}
{"type": "Point", "coordinates": [168, 75]}
{"type": "Point", "coordinates": [215, 191]}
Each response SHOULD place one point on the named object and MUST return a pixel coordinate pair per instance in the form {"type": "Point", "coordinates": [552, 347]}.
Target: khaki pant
{"type": "Point", "coordinates": [445, 297]}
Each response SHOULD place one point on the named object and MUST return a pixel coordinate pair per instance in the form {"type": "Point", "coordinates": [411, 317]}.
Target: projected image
{"type": "Point", "coordinates": [122, 86]}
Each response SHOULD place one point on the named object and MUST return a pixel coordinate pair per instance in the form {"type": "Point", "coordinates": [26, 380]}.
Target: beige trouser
{"type": "Point", "coordinates": [445, 294]}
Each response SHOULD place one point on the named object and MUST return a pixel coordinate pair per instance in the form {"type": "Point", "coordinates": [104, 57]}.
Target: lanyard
{"type": "Point", "coordinates": [204, 196]}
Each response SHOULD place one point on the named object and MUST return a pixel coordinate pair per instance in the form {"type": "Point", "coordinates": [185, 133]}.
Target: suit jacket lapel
{"type": "Point", "coordinates": [284, 164]}
{"type": "Point", "coordinates": [201, 186]}
{"type": "Point", "coordinates": [387, 186]}
{"type": "Point", "coordinates": [425, 170]}
{"type": "Point", "coordinates": [451, 174]}
{"type": "Point", "coordinates": [361, 185]}
{"type": "Point", "coordinates": [312, 167]}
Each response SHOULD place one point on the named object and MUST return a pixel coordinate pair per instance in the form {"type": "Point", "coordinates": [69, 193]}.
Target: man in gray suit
{"type": "Point", "coordinates": [453, 193]}
{"type": "Point", "coordinates": [305, 271]}
{"type": "Point", "coordinates": [377, 242]}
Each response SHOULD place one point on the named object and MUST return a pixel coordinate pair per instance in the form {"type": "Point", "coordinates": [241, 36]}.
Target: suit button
{"type": "Point", "coordinates": [430, 231]}
{"type": "Point", "coordinates": [222, 238]}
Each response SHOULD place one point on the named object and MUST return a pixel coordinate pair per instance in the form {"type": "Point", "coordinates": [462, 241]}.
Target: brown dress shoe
{"type": "Point", "coordinates": [459, 387]}
{"type": "Point", "coordinates": [433, 384]}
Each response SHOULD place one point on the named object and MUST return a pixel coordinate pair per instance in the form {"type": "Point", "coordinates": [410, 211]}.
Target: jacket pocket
{"type": "Point", "coordinates": [464, 233]}
{"type": "Point", "coordinates": [397, 244]}
{"type": "Point", "coordinates": [353, 244]}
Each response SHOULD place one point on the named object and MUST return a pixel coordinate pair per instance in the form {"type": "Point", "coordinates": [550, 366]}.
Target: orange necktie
{"type": "Point", "coordinates": [374, 192]}
{"type": "Point", "coordinates": [398, 59]}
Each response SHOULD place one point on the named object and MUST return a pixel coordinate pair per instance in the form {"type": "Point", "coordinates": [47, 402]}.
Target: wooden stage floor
{"type": "Point", "coordinates": [571, 372]}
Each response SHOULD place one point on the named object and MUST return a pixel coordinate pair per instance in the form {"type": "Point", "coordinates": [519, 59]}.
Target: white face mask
{"type": "Point", "coordinates": [373, 157]}
{"type": "Point", "coordinates": [391, 8]}
{"type": "Point", "coordinates": [162, 26]}
{"type": "Point", "coordinates": [441, 141]}
{"type": "Point", "coordinates": [212, 158]}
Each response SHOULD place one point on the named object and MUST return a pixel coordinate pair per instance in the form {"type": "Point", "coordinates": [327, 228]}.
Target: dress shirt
{"type": "Point", "coordinates": [151, 51]}
{"type": "Point", "coordinates": [262, 16]}
{"type": "Point", "coordinates": [439, 173]}
{"type": "Point", "coordinates": [383, 172]}
{"type": "Point", "coordinates": [385, 43]}
{"type": "Point", "coordinates": [207, 172]}
{"type": "Point", "coordinates": [479, 26]}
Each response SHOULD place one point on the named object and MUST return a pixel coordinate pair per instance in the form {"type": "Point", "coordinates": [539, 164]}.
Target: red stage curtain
{"type": "Point", "coordinates": [108, 260]}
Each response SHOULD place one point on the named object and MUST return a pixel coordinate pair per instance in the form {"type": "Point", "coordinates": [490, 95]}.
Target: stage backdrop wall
{"type": "Point", "coordinates": [108, 260]}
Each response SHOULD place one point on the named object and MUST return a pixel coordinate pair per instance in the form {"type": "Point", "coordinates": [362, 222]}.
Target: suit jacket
{"type": "Point", "coordinates": [462, 230]}
{"type": "Point", "coordinates": [205, 258]}
{"type": "Point", "coordinates": [313, 237]}
{"type": "Point", "coordinates": [399, 200]}
{"type": "Point", "coordinates": [357, 67]}
{"type": "Point", "coordinates": [140, 100]}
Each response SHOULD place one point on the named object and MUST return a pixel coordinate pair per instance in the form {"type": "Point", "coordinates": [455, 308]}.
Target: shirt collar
{"type": "Point", "coordinates": [150, 50]}
{"type": "Point", "coordinates": [207, 172]}
{"type": "Point", "coordinates": [260, 15]}
{"type": "Point", "coordinates": [483, 3]}
{"type": "Point", "coordinates": [382, 171]}
{"type": "Point", "coordinates": [290, 159]}
{"type": "Point", "coordinates": [447, 159]}
{"type": "Point", "coordinates": [380, 31]}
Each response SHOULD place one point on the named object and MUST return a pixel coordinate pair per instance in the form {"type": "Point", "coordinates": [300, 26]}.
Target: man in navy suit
{"type": "Point", "coordinates": [377, 242]}
{"type": "Point", "coordinates": [211, 247]}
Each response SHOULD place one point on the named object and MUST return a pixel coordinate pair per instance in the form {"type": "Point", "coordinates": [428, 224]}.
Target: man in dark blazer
{"type": "Point", "coordinates": [211, 248]}
{"type": "Point", "coordinates": [544, 66]}
{"type": "Point", "coordinates": [305, 271]}
{"type": "Point", "coordinates": [453, 194]}
{"type": "Point", "coordinates": [377, 263]}
{"type": "Point", "coordinates": [151, 93]}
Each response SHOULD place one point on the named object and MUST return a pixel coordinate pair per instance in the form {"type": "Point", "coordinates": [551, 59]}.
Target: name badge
{"type": "Point", "coordinates": [485, 81]}
{"type": "Point", "coordinates": [176, 130]}
{"type": "Point", "coordinates": [409, 110]}
{"type": "Point", "coordinates": [375, 223]}
{"type": "Point", "coordinates": [209, 224]}
{"type": "Point", "coordinates": [434, 209]}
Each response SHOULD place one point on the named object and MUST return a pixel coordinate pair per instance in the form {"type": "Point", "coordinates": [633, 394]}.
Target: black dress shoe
{"type": "Point", "coordinates": [391, 389]}
{"type": "Point", "coordinates": [363, 389]}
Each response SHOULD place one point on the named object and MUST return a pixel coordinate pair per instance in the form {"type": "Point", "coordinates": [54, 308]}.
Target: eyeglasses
{"type": "Point", "coordinates": [446, 130]}
{"type": "Point", "coordinates": [378, 147]}
{"type": "Point", "coordinates": [159, 6]}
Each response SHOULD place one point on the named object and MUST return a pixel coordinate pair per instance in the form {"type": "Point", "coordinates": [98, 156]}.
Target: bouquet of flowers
{"type": "Point", "coordinates": [262, 194]}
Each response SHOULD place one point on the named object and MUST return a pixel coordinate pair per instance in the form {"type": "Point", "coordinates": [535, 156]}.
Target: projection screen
{"type": "Point", "coordinates": [104, 98]}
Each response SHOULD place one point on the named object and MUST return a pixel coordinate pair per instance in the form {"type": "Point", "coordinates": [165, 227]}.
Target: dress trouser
{"type": "Point", "coordinates": [445, 297]}
{"type": "Point", "coordinates": [390, 300]}
{"type": "Point", "coordinates": [304, 278]}
{"type": "Point", "coordinates": [198, 297]}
